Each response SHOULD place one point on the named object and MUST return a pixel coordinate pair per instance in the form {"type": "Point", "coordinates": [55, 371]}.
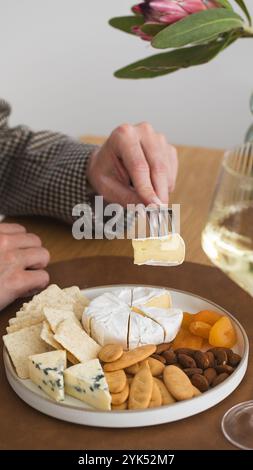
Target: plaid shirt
{"type": "Point", "coordinates": [41, 173]}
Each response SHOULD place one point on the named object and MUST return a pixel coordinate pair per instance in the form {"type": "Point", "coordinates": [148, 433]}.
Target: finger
{"type": "Point", "coordinates": [12, 228]}
{"type": "Point", "coordinates": [120, 171]}
{"type": "Point", "coordinates": [26, 281]}
{"type": "Point", "coordinates": [36, 258]}
{"type": "Point", "coordinates": [126, 145]}
{"type": "Point", "coordinates": [114, 190]}
{"type": "Point", "coordinates": [155, 148]}
{"type": "Point", "coordinates": [174, 166]}
{"type": "Point", "coordinates": [20, 240]}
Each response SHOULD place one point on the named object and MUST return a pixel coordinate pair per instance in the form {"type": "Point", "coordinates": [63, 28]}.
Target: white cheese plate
{"type": "Point", "coordinates": [75, 411]}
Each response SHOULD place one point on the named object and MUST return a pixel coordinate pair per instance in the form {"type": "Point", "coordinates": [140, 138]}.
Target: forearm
{"type": "Point", "coordinates": [41, 173]}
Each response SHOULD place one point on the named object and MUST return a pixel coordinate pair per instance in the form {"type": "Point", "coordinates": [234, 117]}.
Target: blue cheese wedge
{"type": "Point", "coordinates": [46, 371]}
{"type": "Point", "coordinates": [87, 383]}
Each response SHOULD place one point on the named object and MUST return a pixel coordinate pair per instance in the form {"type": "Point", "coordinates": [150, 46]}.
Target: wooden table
{"type": "Point", "coordinates": [198, 170]}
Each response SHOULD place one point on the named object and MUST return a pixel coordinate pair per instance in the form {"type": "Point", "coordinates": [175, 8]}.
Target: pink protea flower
{"type": "Point", "coordinates": [166, 12]}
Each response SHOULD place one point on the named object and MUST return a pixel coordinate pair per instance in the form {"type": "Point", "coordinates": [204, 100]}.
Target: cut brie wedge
{"type": "Point", "coordinates": [160, 251]}
{"type": "Point", "coordinates": [143, 330]}
{"type": "Point", "coordinates": [150, 297]}
{"type": "Point", "coordinates": [111, 326]}
{"type": "Point", "coordinates": [169, 319]}
{"type": "Point", "coordinates": [148, 319]}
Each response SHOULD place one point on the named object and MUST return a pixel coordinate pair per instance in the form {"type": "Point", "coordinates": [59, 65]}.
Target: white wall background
{"type": "Point", "coordinates": [56, 68]}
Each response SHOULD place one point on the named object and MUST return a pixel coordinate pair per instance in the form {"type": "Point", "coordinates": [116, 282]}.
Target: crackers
{"type": "Point", "coordinates": [177, 382]}
{"type": "Point", "coordinates": [76, 341]}
{"type": "Point", "coordinates": [130, 358]}
{"type": "Point", "coordinates": [116, 380]}
{"type": "Point", "coordinates": [56, 316]}
{"type": "Point", "coordinates": [22, 344]}
{"type": "Point", "coordinates": [141, 389]}
{"type": "Point", "coordinates": [156, 397]}
{"type": "Point", "coordinates": [110, 352]}
{"type": "Point", "coordinates": [48, 336]}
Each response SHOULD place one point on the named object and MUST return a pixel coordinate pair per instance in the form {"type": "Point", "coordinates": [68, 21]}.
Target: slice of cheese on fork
{"type": "Point", "coordinates": [159, 251]}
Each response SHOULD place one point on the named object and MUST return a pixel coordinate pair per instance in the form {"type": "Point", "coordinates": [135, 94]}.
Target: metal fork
{"type": "Point", "coordinates": [160, 221]}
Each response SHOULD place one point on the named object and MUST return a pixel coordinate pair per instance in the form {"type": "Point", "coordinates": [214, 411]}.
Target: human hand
{"type": "Point", "coordinates": [135, 165]}
{"type": "Point", "coordinates": [22, 263]}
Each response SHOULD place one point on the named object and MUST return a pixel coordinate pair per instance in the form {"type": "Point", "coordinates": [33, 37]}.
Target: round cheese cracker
{"type": "Point", "coordinates": [177, 382]}
{"type": "Point", "coordinates": [110, 352]}
{"type": "Point", "coordinates": [141, 389]}
{"type": "Point", "coordinates": [156, 397]}
{"type": "Point", "coordinates": [129, 358]}
{"type": "Point", "coordinates": [167, 398]}
{"type": "Point", "coordinates": [116, 381]}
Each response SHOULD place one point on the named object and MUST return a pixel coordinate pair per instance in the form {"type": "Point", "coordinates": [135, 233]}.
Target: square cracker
{"type": "Point", "coordinates": [22, 344]}
{"type": "Point", "coordinates": [53, 297]}
{"type": "Point", "coordinates": [76, 341]}
{"type": "Point", "coordinates": [54, 316]}
{"type": "Point", "coordinates": [23, 322]}
{"type": "Point", "coordinates": [79, 300]}
{"type": "Point", "coordinates": [48, 336]}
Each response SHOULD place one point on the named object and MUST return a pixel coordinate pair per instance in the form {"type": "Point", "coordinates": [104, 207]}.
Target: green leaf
{"type": "Point", "coordinates": [225, 4]}
{"type": "Point", "coordinates": [244, 8]}
{"type": "Point", "coordinates": [125, 23]}
{"type": "Point", "coordinates": [168, 62]}
{"type": "Point", "coordinates": [152, 28]}
{"type": "Point", "coordinates": [197, 27]}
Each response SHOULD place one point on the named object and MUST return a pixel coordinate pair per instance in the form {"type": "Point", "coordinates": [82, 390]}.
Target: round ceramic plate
{"type": "Point", "coordinates": [77, 412]}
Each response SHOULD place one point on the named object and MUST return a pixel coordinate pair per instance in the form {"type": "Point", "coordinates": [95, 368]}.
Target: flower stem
{"type": "Point", "coordinates": [248, 31]}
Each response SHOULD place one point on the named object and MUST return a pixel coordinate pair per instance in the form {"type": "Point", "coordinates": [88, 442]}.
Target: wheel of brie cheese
{"type": "Point", "coordinates": [132, 317]}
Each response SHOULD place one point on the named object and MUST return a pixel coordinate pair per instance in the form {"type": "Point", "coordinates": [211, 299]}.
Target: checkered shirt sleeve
{"type": "Point", "coordinates": [41, 173]}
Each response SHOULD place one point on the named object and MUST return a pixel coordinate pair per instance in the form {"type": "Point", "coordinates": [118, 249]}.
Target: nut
{"type": "Point", "coordinates": [226, 368]}
{"type": "Point", "coordinates": [211, 358]}
{"type": "Point", "coordinates": [210, 374]}
{"type": "Point", "coordinates": [202, 360]}
{"type": "Point", "coordinates": [219, 379]}
{"type": "Point", "coordinates": [188, 351]}
{"type": "Point", "coordinates": [186, 361]}
{"type": "Point", "coordinates": [159, 358]}
{"type": "Point", "coordinates": [220, 356]}
{"type": "Point", "coordinates": [192, 371]}
{"type": "Point", "coordinates": [200, 382]}
{"type": "Point", "coordinates": [170, 357]}
{"type": "Point", "coordinates": [233, 359]}
{"type": "Point", "coordinates": [162, 347]}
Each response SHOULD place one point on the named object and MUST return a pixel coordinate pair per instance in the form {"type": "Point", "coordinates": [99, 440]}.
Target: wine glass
{"type": "Point", "coordinates": [227, 240]}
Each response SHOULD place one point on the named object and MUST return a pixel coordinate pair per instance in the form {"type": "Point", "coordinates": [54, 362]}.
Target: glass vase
{"type": "Point", "coordinates": [249, 135]}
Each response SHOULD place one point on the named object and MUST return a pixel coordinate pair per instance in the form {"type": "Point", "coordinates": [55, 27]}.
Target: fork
{"type": "Point", "coordinates": [160, 221]}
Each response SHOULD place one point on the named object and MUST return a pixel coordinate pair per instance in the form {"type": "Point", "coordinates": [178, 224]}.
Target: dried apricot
{"type": "Point", "coordinates": [187, 319]}
{"type": "Point", "coordinates": [222, 333]}
{"type": "Point", "coordinates": [200, 328]}
{"type": "Point", "coordinates": [207, 316]}
{"type": "Point", "coordinates": [185, 339]}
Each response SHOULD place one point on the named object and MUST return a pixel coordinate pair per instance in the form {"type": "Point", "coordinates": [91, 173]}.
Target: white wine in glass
{"type": "Point", "coordinates": [228, 236]}
{"type": "Point", "coordinates": [228, 241]}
